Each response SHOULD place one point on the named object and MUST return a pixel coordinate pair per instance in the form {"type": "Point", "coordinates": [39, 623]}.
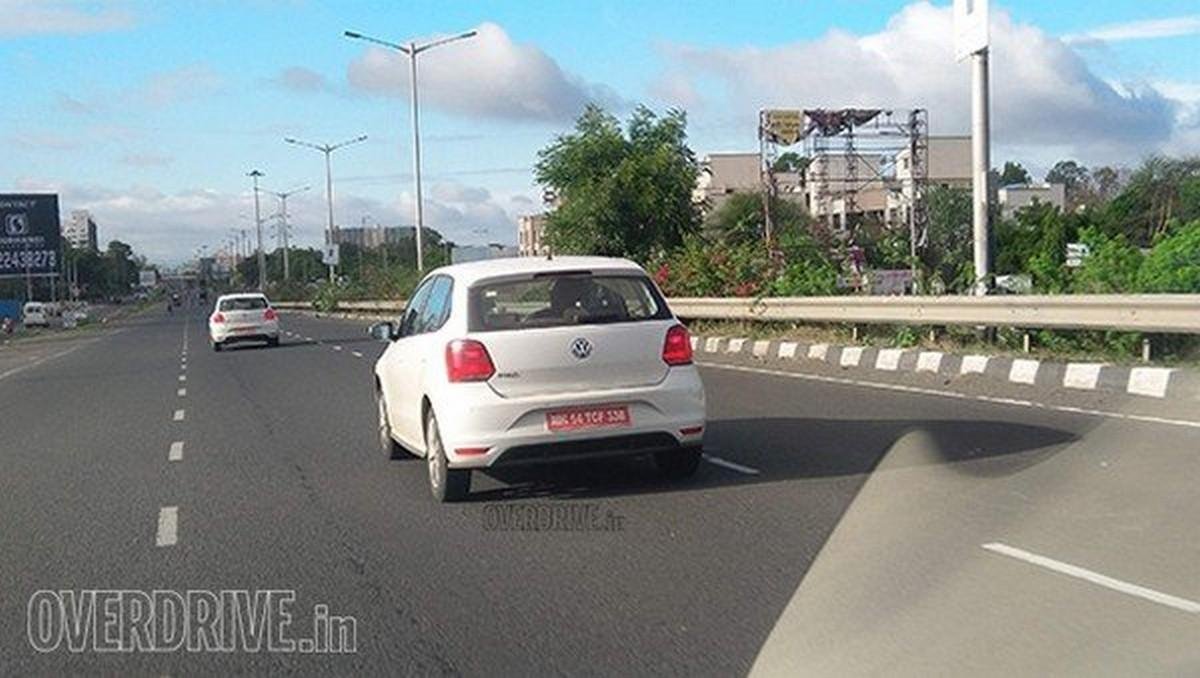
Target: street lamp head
{"type": "Point", "coordinates": [352, 34]}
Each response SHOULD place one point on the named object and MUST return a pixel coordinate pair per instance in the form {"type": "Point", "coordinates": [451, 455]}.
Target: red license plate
{"type": "Point", "coordinates": [581, 418]}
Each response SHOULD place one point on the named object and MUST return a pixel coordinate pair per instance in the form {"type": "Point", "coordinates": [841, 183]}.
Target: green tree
{"type": "Point", "coordinates": [621, 192]}
{"type": "Point", "coordinates": [1074, 177]}
{"type": "Point", "coordinates": [1159, 192]}
{"type": "Point", "coordinates": [790, 161]}
{"type": "Point", "coordinates": [947, 255]}
{"type": "Point", "coordinates": [1174, 263]}
{"type": "Point", "coordinates": [1013, 173]}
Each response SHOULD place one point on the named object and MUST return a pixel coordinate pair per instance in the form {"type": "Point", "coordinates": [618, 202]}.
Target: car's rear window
{"type": "Point", "coordinates": [243, 304]}
{"type": "Point", "coordinates": [568, 299]}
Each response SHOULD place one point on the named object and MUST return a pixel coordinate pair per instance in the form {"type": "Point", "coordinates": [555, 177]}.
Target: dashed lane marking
{"type": "Point", "coordinates": [168, 526]}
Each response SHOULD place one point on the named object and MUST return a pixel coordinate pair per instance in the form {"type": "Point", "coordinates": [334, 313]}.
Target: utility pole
{"type": "Point", "coordinates": [328, 150]}
{"type": "Point", "coordinates": [262, 255]}
{"type": "Point", "coordinates": [284, 226]}
{"type": "Point", "coordinates": [412, 49]}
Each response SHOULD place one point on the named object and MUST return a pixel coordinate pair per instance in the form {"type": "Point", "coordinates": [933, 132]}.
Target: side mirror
{"type": "Point", "coordinates": [384, 331]}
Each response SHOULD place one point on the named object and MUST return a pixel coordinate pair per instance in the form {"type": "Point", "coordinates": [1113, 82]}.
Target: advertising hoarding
{"type": "Point", "coordinates": [30, 235]}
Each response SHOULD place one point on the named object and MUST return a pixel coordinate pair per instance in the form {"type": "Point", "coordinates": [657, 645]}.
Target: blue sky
{"type": "Point", "coordinates": [151, 113]}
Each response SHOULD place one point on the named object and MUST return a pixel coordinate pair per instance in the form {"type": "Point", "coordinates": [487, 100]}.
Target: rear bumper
{"type": "Point", "coordinates": [226, 335]}
{"type": "Point", "coordinates": [666, 416]}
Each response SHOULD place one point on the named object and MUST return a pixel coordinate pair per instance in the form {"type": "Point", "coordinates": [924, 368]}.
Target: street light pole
{"type": "Point", "coordinates": [262, 255]}
{"type": "Point", "coordinates": [981, 155]}
{"type": "Point", "coordinates": [412, 49]}
{"type": "Point", "coordinates": [328, 150]}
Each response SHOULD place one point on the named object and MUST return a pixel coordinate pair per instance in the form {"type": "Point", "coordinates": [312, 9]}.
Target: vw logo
{"type": "Point", "coordinates": [16, 224]}
{"type": "Point", "coordinates": [581, 348]}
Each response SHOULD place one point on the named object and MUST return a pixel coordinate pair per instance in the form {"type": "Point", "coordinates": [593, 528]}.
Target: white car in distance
{"type": "Point", "coordinates": [35, 314]}
{"type": "Point", "coordinates": [243, 317]}
{"type": "Point", "coordinates": [517, 361]}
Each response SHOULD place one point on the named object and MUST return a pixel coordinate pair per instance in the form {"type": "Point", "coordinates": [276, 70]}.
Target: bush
{"type": "Point", "coordinates": [1174, 263]}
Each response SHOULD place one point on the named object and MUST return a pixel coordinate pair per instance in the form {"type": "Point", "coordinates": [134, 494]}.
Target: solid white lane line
{"type": "Point", "coordinates": [178, 415]}
{"type": "Point", "coordinates": [38, 361]}
{"type": "Point", "coordinates": [724, 463]}
{"type": "Point", "coordinates": [168, 526]}
{"type": "Point", "coordinates": [954, 394]}
{"type": "Point", "coordinates": [181, 392]}
{"type": "Point", "coordinates": [356, 354]}
{"type": "Point", "coordinates": [1095, 578]}
{"type": "Point", "coordinates": [176, 452]}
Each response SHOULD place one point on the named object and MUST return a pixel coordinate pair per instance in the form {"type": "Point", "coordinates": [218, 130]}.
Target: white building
{"type": "Point", "coordinates": [1013, 198]}
{"type": "Point", "coordinates": [725, 174]}
{"type": "Point", "coordinates": [80, 231]}
{"type": "Point", "coordinates": [531, 234]}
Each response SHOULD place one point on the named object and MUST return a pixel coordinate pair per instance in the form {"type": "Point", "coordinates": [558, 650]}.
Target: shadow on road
{"type": "Point", "coordinates": [787, 449]}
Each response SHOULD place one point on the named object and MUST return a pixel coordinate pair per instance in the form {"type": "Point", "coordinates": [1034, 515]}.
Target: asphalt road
{"type": "Point", "coordinates": [834, 529]}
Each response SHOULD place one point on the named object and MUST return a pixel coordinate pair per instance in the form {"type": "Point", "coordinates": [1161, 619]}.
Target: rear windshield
{"type": "Point", "coordinates": [557, 300]}
{"type": "Point", "coordinates": [243, 304]}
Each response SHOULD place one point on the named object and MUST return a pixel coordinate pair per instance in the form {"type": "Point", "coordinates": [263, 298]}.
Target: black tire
{"type": "Point", "coordinates": [387, 443]}
{"type": "Point", "coordinates": [216, 346]}
{"type": "Point", "coordinates": [678, 464]}
{"type": "Point", "coordinates": [272, 341]}
{"type": "Point", "coordinates": [446, 484]}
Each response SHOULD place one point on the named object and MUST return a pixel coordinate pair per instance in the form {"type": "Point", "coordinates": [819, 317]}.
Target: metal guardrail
{"type": "Point", "coordinates": [1160, 313]}
{"type": "Point", "coordinates": [1168, 313]}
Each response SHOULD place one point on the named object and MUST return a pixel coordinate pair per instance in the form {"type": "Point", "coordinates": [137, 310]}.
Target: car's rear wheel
{"type": "Point", "coordinates": [386, 442]}
{"type": "Point", "coordinates": [677, 464]}
{"type": "Point", "coordinates": [445, 483]}
{"type": "Point", "coordinates": [272, 341]}
{"type": "Point", "coordinates": [216, 346]}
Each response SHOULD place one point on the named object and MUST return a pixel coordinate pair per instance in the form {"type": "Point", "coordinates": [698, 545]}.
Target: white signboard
{"type": "Point", "coordinates": [330, 256]}
{"type": "Point", "coordinates": [1076, 253]}
{"type": "Point", "coordinates": [148, 278]}
{"type": "Point", "coordinates": [970, 27]}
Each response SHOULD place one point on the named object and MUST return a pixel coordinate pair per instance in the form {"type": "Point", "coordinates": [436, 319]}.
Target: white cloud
{"type": "Point", "coordinates": [301, 79]}
{"type": "Point", "coordinates": [180, 84]}
{"type": "Point", "coordinates": [1148, 29]}
{"type": "Point", "coordinates": [146, 160]}
{"type": "Point", "coordinates": [488, 76]}
{"type": "Point", "coordinates": [30, 17]}
{"type": "Point", "coordinates": [1043, 94]}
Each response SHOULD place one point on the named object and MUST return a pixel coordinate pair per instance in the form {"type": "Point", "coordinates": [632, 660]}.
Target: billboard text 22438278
{"type": "Point", "coordinates": [29, 235]}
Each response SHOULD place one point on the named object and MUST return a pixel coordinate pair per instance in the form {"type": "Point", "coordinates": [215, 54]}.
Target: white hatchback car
{"type": "Point", "coordinates": [35, 314]}
{"type": "Point", "coordinates": [517, 361]}
{"type": "Point", "coordinates": [243, 317]}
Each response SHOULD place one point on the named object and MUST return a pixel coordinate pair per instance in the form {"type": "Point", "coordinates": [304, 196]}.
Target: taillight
{"type": "Point", "coordinates": [218, 318]}
{"type": "Point", "coordinates": [468, 360]}
{"type": "Point", "coordinates": [269, 314]}
{"type": "Point", "coordinates": [677, 349]}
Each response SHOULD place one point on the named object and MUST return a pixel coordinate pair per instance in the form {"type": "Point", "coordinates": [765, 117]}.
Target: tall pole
{"type": "Point", "coordinates": [262, 254]}
{"type": "Point", "coordinates": [329, 199]}
{"type": "Point", "coordinates": [418, 214]}
{"type": "Point", "coordinates": [412, 49]}
{"type": "Point", "coordinates": [981, 160]}
{"type": "Point", "coordinates": [283, 229]}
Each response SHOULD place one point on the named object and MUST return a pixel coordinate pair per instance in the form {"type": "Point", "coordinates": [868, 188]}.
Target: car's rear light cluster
{"type": "Point", "coordinates": [468, 360]}
{"type": "Point", "coordinates": [677, 348]}
{"type": "Point", "coordinates": [270, 314]}
{"type": "Point", "coordinates": [218, 318]}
